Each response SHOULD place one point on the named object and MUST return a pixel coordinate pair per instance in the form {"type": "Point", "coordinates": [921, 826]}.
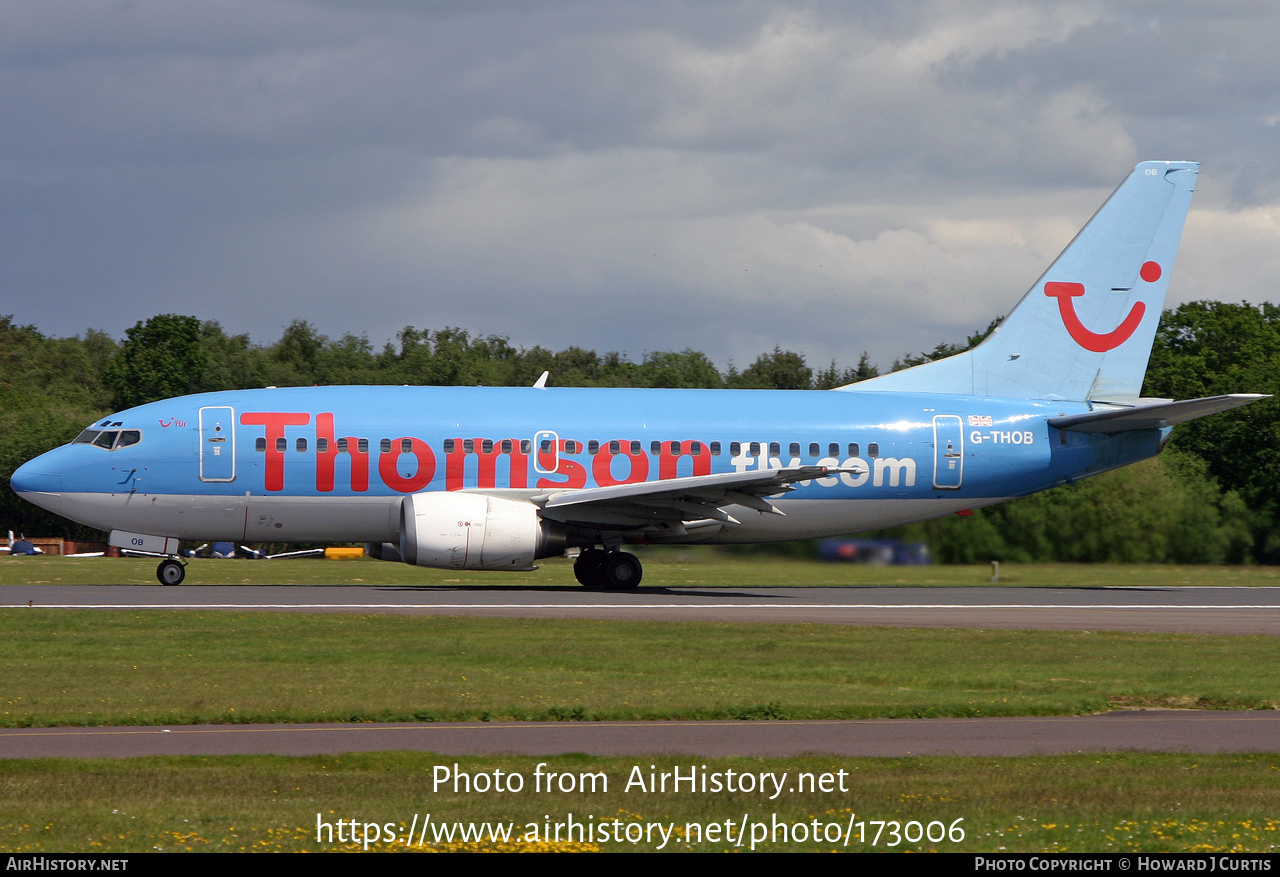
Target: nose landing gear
{"type": "Point", "coordinates": [608, 570]}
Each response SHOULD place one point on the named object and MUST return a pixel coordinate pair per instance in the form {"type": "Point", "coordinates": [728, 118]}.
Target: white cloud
{"type": "Point", "coordinates": [1228, 255]}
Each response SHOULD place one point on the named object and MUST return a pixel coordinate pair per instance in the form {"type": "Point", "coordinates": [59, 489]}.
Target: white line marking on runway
{"type": "Point", "coordinates": [771, 606]}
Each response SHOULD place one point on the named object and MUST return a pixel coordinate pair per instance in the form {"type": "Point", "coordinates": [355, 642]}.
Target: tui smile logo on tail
{"type": "Point", "coordinates": [1098, 343]}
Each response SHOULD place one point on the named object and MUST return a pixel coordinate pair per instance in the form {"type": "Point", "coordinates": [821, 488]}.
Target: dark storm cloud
{"type": "Point", "coordinates": [725, 176]}
{"type": "Point", "coordinates": [1201, 79]}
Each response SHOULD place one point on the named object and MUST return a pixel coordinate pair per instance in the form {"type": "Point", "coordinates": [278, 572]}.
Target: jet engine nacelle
{"type": "Point", "coordinates": [475, 531]}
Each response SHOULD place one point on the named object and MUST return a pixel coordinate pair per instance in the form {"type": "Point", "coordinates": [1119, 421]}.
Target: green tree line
{"type": "Point", "coordinates": [1213, 496]}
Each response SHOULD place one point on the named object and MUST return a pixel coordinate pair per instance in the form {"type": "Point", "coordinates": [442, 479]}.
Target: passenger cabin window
{"type": "Point", "coordinates": [525, 446]}
{"type": "Point", "coordinates": [282, 445]}
{"type": "Point", "coordinates": [695, 448]}
{"type": "Point", "coordinates": [301, 445]}
{"type": "Point", "coordinates": [873, 449]}
{"type": "Point", "coordinates": [814, 450]}
{"type": "Point", "coordinates": [486, 446]}
{"type": "Point", "coordinates": [794, 449]}
{"type": "Point", "coordinates": [735, 448]}
{"type": "Point", "coordinates": [448, 446]}
{"type": "Point", "coordinates": [715, 449]}
{"type": "Point", "coordinates": [572, 447]}
{"type": "Point", "coordinates": [342, 446]}
{"type": "Point", "coordinates": [362, 445]}
{"type": "Point", "coordinates": [833, 450]}
{"type": "Point", "coordinates": [260, 445]}
{"type": "Point", "coordinates": [615, 447]}
{"type": "Point", "coordinates": [853, 449]}
{"type": "Point", "coordinates": [506, 446]}
{"type": "Point", "coordinates": [322, 446]}
{"type": "Point", "coordinates": [635, 447]}
{"type": "Point", "coordinates": [755, 449]}
{"type": "Point", "coordinates": [593, 447]}
{"type": "Point", "coordinates": [655, 448]}
{"type": "Point", "coordinates": [385, 446]}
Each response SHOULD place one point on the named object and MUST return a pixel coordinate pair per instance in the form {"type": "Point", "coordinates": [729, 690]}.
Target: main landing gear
{"type": "Point", "coordinates": [171, 571]}
{"type": "Point", "coordinates": [608, 570]}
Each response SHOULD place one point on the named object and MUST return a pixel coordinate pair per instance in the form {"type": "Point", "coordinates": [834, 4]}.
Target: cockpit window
{"type": "Point", "coordinates": [109, 439]}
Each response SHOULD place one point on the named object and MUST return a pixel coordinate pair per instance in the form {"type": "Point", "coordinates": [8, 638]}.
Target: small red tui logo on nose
{"type": "Point", "coordinates": [1098, 343]}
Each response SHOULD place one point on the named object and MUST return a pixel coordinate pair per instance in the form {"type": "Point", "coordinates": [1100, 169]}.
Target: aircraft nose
{"type": "Point", "coordinates": [34, 482]}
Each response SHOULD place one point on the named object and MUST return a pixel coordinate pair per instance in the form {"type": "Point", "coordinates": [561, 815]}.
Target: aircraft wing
{"type": "Point", "coordinates": [1153, 416]}
{"type": "Point", "coordinates": [676, 501]}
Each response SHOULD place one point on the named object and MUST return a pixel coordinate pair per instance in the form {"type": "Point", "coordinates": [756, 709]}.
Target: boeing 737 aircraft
{"type": "Point", "coordinates": [495, 478]}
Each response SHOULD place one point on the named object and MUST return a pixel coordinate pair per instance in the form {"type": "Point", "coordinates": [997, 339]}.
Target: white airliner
{"type": "Point", "coordinates": [495, 478]}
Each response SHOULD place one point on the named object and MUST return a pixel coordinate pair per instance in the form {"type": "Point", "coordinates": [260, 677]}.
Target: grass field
{"type": "Point", "coordinates": [161, 667]}
{"type": "Point", "coordinates": [171, 667]}
{"type": "Point", "coordinates": [664, 567]}
{"type": "Point", "coordinates": [1091, 803]}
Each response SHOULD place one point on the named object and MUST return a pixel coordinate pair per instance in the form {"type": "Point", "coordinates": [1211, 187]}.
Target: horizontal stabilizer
{"type": "Point", "coordinates": [1155, 416]}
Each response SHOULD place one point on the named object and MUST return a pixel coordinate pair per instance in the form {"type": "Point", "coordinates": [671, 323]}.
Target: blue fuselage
{"type": "Point", "coordinates": [332, 463]}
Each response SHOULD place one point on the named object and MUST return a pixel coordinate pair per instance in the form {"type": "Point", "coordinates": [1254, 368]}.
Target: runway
{"type": "Point", "coordinates": [1148, 731]}
{"type": "Point", "coordinates": [1198, 610]}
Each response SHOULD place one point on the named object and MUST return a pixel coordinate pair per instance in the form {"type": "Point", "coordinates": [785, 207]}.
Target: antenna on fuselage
{"type": "Point", "coordinates": [541, 382]}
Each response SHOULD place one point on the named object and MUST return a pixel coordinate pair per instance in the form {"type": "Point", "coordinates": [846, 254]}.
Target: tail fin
{"type": "Point", "coordinates": [1084, 330]}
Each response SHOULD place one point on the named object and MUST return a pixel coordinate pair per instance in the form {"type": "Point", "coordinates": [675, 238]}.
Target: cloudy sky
{"type": "Point", "coordinates": [724, 175]}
